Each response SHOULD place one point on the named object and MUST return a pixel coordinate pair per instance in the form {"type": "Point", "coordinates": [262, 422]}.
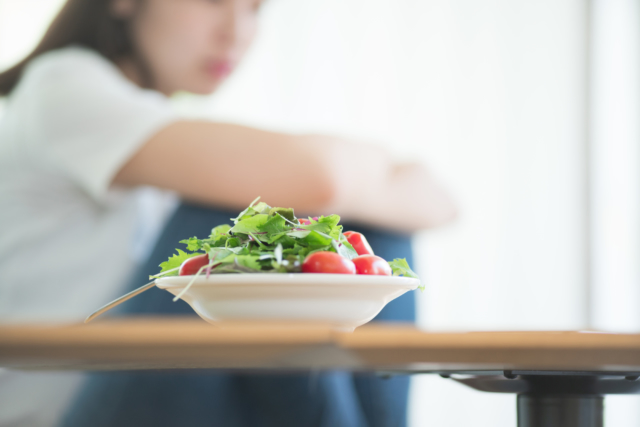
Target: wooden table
{"type": "Point", "coordinates": [560, 377]}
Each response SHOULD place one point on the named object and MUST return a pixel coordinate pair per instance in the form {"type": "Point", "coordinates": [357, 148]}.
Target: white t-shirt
{"type": "Point", "coordinates": [68, 241]}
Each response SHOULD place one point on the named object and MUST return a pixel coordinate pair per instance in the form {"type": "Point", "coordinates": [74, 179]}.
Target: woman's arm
{"type": "Point", "coordinates": [229, 165]}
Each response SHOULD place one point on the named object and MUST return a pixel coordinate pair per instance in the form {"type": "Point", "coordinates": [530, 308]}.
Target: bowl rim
{"type": "Point", "coordinates": [289, 279]}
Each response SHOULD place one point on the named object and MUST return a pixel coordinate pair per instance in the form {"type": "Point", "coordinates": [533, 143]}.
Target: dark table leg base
{"type": "Point", "coordinates": [556, 398]}
{"type": "Point", "coordinates": [560, 411]}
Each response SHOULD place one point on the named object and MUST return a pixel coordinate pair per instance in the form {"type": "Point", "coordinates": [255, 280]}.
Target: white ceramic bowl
{"type": "Point", "coordinates": [341, 300]}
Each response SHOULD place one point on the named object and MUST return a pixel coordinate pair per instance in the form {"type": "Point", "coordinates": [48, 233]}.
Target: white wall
{"type": "Point", "coordinates": [22, 23]}
{"type": "Point", "coordinates": [615, 154]}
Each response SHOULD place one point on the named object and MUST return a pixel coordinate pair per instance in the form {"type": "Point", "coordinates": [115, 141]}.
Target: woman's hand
{"type": "Point", "coordinates": [228, 165]}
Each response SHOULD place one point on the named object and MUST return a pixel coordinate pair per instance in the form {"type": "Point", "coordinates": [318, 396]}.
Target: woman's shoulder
{"type": "Point", "coordinates": [70, 56]}
{"type": "Point", "coordinates": [69, 64]}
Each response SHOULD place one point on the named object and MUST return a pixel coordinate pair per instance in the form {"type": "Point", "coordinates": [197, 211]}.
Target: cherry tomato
{"type": "Point", "coordinates": [192, 265]}
{"type": "Point", "coordinates": [328, 262]}
{"type": "Point", "coordinates": [371, 264]}
{"type": "Point", "coordinates": [359, 242]}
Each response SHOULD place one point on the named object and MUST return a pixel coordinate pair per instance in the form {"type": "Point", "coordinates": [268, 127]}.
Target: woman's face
{"type": "Point", "coordinates": [190, 45]}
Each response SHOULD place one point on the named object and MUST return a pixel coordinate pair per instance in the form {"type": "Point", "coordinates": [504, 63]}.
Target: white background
{"type": "Point", "coordinates": [528, 111]}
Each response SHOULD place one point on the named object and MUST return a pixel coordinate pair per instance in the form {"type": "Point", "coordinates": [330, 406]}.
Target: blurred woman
{"type": "Point", "coordinates": [91, 154]}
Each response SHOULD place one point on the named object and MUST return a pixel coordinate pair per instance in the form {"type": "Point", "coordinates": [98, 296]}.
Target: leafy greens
{"type": "Point", "coordinates": [263, 239]}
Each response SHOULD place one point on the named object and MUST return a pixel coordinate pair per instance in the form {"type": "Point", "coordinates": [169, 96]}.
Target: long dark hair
{"type": "Point", "coordinates": [87, 23]}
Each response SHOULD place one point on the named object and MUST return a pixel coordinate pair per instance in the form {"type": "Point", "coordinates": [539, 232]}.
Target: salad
{"type": "Point", "coordinates": [265, 239]}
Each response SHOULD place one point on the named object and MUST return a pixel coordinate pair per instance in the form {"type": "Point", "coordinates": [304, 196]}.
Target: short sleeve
{"type": "Point", "coordinates": [85, 119]}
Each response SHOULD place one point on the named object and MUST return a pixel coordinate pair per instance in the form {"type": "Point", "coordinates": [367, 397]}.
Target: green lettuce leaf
{"type": "Point", "coordinates": [250, 224]}
{"type": "Point", "coordinates": [317, 240]}
{"type": "Point", "coordinates": [275, 225]}
{"type": "Point", "coordinates": [176, 261]}
{"type": "Point", "coordinates": [345, 249]}
{"type": "Point", "coordinates": [254, 209]}
{"type": "Point", "coordinates": [219, 231]}
{"type": "Point", "coordinates": [400, 267]}
{"type": "Point", "coordinates": [283, 212]}
{"type": "Point", "coordinates": [193, 244]}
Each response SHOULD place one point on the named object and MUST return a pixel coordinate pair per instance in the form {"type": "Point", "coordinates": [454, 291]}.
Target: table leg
{"type": "Point", "coordinates": [555, 398]}
{"type": "Point", "coordinates": [560, 411]}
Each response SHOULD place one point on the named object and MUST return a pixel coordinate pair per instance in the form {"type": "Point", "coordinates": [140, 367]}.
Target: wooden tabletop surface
{"type": "Point", "coordinates": [180, 343]}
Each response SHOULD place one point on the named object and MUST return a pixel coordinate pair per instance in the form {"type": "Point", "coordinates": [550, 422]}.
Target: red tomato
{"type": "Point", "coordinates": [371, 264]}
{"type": "Point", "coordinates": [328, 262]}
{"type": "Point", "coordinates": [359, 242]}
{"type": "Point", "coordinates": [192, 265]}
